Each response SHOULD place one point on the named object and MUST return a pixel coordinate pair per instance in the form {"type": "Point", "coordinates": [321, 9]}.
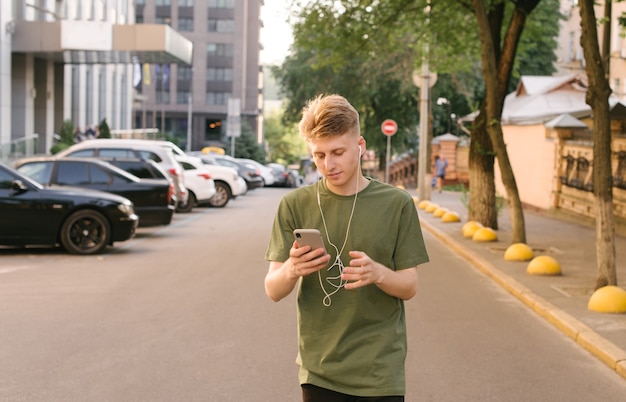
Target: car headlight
{"type": "Point", "coordinates": [126, 209]}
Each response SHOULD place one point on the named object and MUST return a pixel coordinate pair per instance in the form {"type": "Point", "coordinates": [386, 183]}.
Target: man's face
{"type": "Point", "coordinates": [337, 159]}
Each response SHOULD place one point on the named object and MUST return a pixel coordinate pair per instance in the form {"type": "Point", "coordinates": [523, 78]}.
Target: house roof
{"type": "Point", "coordinates": [445, 137]}
{"type": "Point", "coordinates": [539, 99]}
{"type": "Point", "coordinates": [565, 121]}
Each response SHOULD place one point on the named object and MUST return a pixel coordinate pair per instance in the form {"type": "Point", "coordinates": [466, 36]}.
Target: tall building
{"type": "Point", "coordinates": [72, 60]}
{"type": "Point", "coordinates": [192, 102]}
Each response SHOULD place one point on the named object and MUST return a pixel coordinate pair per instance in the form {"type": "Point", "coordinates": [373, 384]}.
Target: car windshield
{"type": "Point", "coordinates": [15, 175]}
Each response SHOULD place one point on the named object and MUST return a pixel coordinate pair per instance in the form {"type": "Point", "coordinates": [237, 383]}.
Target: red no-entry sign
{"type": "Point", "coordinates": [389, 127]}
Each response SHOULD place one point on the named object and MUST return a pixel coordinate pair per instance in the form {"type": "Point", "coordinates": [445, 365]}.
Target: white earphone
{"type": "Point", "coordinates": [360, 152]}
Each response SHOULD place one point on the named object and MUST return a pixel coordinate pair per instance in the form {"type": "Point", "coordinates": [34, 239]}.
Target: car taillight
{"type": "Point", "coordinates": [258, 172]}
{"type": "Point", "coordinates": [173, 172]}
{"type": "Point", "coordinates": [170, 193]}
{"type": "Point", "coordinates": [205, 176]}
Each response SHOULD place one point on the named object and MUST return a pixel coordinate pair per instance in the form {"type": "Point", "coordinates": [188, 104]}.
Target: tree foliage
{"type": "Point", "coordinates": [283, 141]}
{"type": "Point", "coordinates": [66, 137]}
{"type": "Point", "coordinates": [103, 129]}
{"type": "Point", "coordinates": [246, 145]}
{"type": "Point", "coordinates": [367, 51]}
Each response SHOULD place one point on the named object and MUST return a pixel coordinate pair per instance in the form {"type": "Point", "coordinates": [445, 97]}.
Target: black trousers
{"type": "Point", "coordinates": [313, 393]}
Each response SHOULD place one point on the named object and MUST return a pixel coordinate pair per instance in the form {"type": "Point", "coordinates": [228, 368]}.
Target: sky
{"type": "Point", "coordinates": [276, 35]}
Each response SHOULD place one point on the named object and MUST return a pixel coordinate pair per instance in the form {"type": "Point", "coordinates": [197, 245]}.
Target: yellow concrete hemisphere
{"type": "Point", "coordinates": [423, 204]}
{"type": "Point", "coordinates": [608, 299]}
{"type": "Point", "coordinates": [450, 216]}
{"type": "Point", "coordinates": [438, 213]}
{"type": "Point", "coordinates": [485, 234]}
{"type": "Point", "coordinates": [519, 252]}
{"type": "Point", "coordinates": [431, 208]}
{"type": "Point", "coordinates": [543, 265]}
{"type": "Point", "coordinates": [470, 228]}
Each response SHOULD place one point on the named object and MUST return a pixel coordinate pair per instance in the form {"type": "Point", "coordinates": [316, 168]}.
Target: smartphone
{"type": "Point", "coordinates": [309, 237]}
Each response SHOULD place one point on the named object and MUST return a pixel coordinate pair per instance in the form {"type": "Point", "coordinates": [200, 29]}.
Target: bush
{"type": "Point", "coordinates": [103, 129]}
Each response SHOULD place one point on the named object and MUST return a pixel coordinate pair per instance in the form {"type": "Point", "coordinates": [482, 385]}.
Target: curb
{"type": "Point", "coordinates": [606, 351]}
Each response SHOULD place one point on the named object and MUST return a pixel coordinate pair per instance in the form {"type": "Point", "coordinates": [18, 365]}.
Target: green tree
{"type": "Point", "coordinates": [284, 143]}
{"type": "Point", "coordinates": [501, 25]}
{"type": "Point", "coordinates": [326, 60]}
{"type": "Point", "coordinates": [66, 137]}
{"type": "Point", "coordinates": [246, 145]}
{"type": "Point", "coordinates": [367, 51]}
{"type": "Point", "coordinates": [103, 129]}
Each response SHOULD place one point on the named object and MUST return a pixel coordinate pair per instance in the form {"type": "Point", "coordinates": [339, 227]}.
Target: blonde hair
{"type": "Point", "coordinates": [328, 115]}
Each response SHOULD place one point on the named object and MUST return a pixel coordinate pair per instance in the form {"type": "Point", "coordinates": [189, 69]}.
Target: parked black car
{"type": "Point", "coordinates": [81, 220]}
{"type": "Point", "coordinates": [152, 198]}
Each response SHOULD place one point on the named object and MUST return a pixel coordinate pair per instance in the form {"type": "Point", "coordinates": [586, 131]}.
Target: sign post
{"type": "Point", "coordinates": [389, 128]}
{"type": "Point", "coordinates": [233, 119]}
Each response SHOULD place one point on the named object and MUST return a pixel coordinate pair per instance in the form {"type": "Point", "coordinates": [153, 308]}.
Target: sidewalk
{"type": "Point", "coordinates": [561, 300]}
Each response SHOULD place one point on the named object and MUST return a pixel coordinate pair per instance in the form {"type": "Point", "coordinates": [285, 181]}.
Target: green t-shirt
{"type": "Point", "coordinates": [356, 345]}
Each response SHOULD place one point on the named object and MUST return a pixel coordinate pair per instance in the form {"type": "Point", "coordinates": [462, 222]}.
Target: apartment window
{"type": "Point", "coordinates": [185, 3]}
{"type": "Point", "coordinates": [184, 73]}
{"type": "Point", "coordinates": [140, 2]}
{"type": "Point", "coordinates": [221, 3]}
{"type": "Point", "coordinates": [185, 24]}
{"type": "Point", "coordinates": [139, 19]}
{"type": "Point", "coordinates": [163, 3]}
{"type": "Point", "coordinates": [163, 97]}
{"type": "Point", "coordinates": [220, 49]}
{"type": "Point", "coordinates": [219, 74]}
{"type": "Point", "coordinates": [217, 98]}
{"type": "Point", "coordinates": [182, 97]}
{"type": "Point", "coordinates": [221, 25]}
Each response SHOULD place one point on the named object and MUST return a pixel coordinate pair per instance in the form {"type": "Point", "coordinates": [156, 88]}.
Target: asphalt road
{"type": "Point", "coordinates": [179, 314]}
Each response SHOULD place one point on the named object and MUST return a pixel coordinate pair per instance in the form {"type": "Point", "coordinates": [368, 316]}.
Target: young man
{"type": "Point", "coordinates": [351, 323]}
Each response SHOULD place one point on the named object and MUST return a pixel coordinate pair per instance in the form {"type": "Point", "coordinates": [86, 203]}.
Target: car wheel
{"type": "Point", "coordinates": [85, 232]}
{"type": "Point", "coordinates": [221, 196]}
{"type": "Point", "coordinates": [191, 202]}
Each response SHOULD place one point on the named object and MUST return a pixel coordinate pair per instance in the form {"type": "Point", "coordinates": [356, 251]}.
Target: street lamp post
{"type": "Point", "coordinates": [445, 101]}
{"type": "Point", "coordinates": [456, 125]}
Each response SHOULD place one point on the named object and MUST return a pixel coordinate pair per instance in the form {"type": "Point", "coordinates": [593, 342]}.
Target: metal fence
{"type": "Point", "coordinates": [20, 148]}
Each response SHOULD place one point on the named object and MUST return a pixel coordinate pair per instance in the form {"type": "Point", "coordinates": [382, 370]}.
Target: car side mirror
{"type": "Point", "coordinates": [18, 186]}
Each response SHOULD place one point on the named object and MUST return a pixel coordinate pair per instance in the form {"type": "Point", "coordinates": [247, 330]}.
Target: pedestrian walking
{"type": "Point", "coordinates": [440, 171]}
{"type": "Point", "coordinates": [351, 317]}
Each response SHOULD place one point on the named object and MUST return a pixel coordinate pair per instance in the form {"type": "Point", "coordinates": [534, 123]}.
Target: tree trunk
{"type": "Point", "coordinates": [597, 97]}
{"type": "Point", "coordinates": [496, 72]}
{"type": "Point", "coordinates": [518, 226]}
{"type": "Point", "coordinates": [482, 195]}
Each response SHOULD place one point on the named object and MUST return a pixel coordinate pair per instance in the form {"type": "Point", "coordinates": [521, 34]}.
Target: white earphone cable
{"type": "Point", "coordinates": [335, 281]}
